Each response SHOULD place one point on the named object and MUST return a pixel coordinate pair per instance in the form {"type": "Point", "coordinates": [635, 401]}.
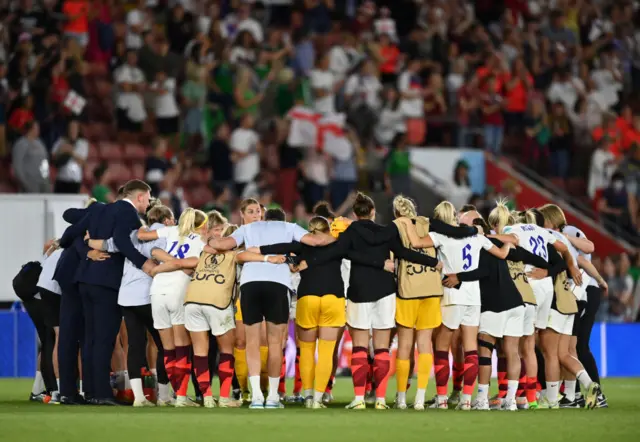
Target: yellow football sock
{"type": "Point", "coordinates": [242, 371]}
{"type": "Point", "coordinates": [325, 364]}
{"type": "Point", "coordinates": [264, 376]}
{"type": "Point", "coordinates": [307, 364]}
{"type": "Point", "coordinates": [425, 364]}
{"type": "Point", "coordinates": [403, 366]}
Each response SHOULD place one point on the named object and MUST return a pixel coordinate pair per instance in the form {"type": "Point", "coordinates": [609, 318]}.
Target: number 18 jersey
{"type": "Point", "coordinates": [191, 246]}
{"type": "Point", "coordinates": [457, 256]}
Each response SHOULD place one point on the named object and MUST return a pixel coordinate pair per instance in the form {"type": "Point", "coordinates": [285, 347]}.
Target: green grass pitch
{"type": "Point", "coordinates": [21, 420]}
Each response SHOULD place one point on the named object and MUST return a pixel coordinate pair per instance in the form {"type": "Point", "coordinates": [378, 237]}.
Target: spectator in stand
{"type": "Point", "coordinates": [129, 102]}
{"type": "Point", "coordinates": [343, 57]}
{"type": "Point", "coordinates": [180, 28]}
{"type": "Point", "coordinates": [390, 119]}
{"type": "Point", "coordinates": [139, 21]}
{"type": "Point", "coordinates": [77, 21]}
{"type": "Point", "coordinates": [324, 85]}
{"type": "Point", "coordinates": [620, 290]}
{"type": "Point", "coordinates": [194, 94]}
{"type": "Point", "coordinates": [69, 155]}
{"type": "Point", "coordinates": [603, 164]}
{"type": "Point", "coordinates": [21, 115]}
{"type": "Point", "coordinates": [565, 88]}
{"type": "Point", "coordinates": [315, 169]}
{"type": "Point", "coordinates": [561, 141]}
{"type": "Point", "coordinates": [244, 49]}
{"type": "Point", "coordinates": [391, 59]}
{"type": "Point", "coordinates": [31, 161]}
{"type": "Point", "coordinates": [156, 165]}
{"type": "Point", "coordinates": [468, 107]}
{"type": "Point", "coordinates": [538, 133]}
{"type": "Point", "coordinates": [412, 103]}
{"type": "Point", "coordinates": [517, 90]}
{"type": "Point", "coordinates": [344, 177]}
{"type": "Point", "coordinates": [220, 160]}
{"type": "Point", "coordinates": [245, 149]}
{"type": "Point", "coordinates": [435, 108]}
{"type": "Point", "coordinates": [492, 119]}
{"type": "Point", "coordinates": [362, 99]}
{"type": "Point", "coordinates": [102, 191]}
{"type": "Point", "coordinates": [459, 190]}
{"type": "Point", "coordinates": [166, 108]}
{"type": "Point", "coordinates": [247, 100]}
{"type": "Point", "coordinates": [398, 171]}
{"type": "Point", "coordinates": [614, 204]}
{"type": "Point", "coordinates": [171, 195]}
{"type": "Point", "coordinates": [102, 36]}
{"type": "Point", "coordinates": [608, 79]}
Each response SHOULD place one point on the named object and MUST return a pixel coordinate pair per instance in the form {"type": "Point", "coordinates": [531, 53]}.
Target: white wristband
{"type": "Point", "coordinates": [266, 258]}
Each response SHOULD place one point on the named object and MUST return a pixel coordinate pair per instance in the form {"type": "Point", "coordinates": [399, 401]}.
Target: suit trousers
{"type": "Point", "coordinates": [70, 339]}
{"type": "Point", "coordinates": [102, 317]}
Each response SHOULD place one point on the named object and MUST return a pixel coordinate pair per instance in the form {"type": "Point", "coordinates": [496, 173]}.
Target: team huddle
{"type": "Point", "coordinates": [199, 296]}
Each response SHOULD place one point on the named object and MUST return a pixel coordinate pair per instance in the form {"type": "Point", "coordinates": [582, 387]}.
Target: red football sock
{"type": "Point", "coordinates": [332, 381]}
{"type": "Point", "coordinates": [370, 377]}
{"type": "Point", "coordinates": [381, 366]}
{"type": "Point", "coordinates": [282, 388]}
{"type": "Point", "coordinates": [458, 373]}
{"type": "Point", "coordinates": [441, 370]}
{"type": "Point", "coordinates": [170, 367]}
{"type": "Point", "coordinates": [201, 370]}
{"type": "Point", "coordinates": [502, 377]}
{"type": "Point", "coordinates": [522, 382]}
{"type": "Point", "coordinates": [226, 366]}
{"type": "Point", "coordinates": [183, 370]}
{"type": "Point", "coordinates": [297, 383]}
{"type": "Point", "coordinates": [532, 388]}
{"type": "Point", "coordinates": [470, 371]}
{"type": "Point", "coordinates": [359, 369]}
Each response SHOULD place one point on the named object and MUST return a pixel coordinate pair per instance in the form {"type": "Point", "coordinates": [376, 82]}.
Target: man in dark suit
{"type": "Point", "coordinates": [99, 281]}
{"type": "Point", "coordinates": [71, 333]}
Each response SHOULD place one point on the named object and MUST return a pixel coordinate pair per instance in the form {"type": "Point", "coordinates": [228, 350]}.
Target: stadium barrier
{"type": "Point", "coordinates": [19, 347]}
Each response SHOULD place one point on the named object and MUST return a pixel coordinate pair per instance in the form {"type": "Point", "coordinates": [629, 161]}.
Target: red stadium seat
{"type": "Point", "coordinates": [98, 70]}
{"type": "Point", "coordinates": [137, 171]}
{"type": "Point", "coordinates": [416, 131]}
{"type": "Point", "coordinates": [89, 167]}
{"type": "Point", "coordinates": [119, 173]}
{"type": "Point", "coordinates": [199, 196]}
{"type": "Point", "coordinates": [134, 153]}
{"type": "Point", "coordinates": [7, 187]}
{"type": "Point", "coordinates": [103, 89]}
{"type": "Point", "coordinates": [110, 151]}
{"type": "Point", "coordinates": [94, 153]}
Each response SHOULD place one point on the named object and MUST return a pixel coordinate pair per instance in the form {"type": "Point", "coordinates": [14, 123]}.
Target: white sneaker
{"type": "Point", "coordinates": [166, 402]}
{"type": "Point", "coordinates": [418, 406]}
{"type": "Point", "coordinates": [441, 404]}
{"type": "Point", "coordinates": [327, 398]}
{"type": "Point", "coordinates": [143, 403]}
{"type": "Point", "coordinates": [400, 405]}
{"type": "Point", "coordinates": [464, 406]}
{"type": "Point", "coordinates": [480, 404]}
{"type": "Point", "coordinates": [308, 402]}
{"type": "Point", "coordinates": [209, 402]}
{"type": "Point", "coordinates": [257, 404]}
{"type": "Point", "coordinates": [184, 401]}
{"type": "Point", "coordinates": [318, 405]}
{"type": "Point", "coordinates": [273, 404]}
{"type": "Point", "coordinates": [509, 405]}
{"type": "Point", "coordinates": [356, 405]}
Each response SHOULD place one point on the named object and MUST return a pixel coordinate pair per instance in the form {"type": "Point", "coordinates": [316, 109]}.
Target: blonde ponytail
{"type": "Point", "coordinates": [554, 216]}
{"type": "Point", "coordinates": [404, 207]}
{"type": "Point", "coordinates": [190, 221]}
{"type": "Point", "coordinates": [499, 216]}
{"type": "Point", "coordinates": [318, 224]}
{"type": "Point", "coordinates": [445, 212]}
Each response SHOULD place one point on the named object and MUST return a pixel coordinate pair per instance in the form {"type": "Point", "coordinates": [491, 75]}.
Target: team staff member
{"type": "Point", "coordinates": [502, 307]}
{"type": "Point", "coordinates": [135, 300]}
{"type": "Point", "coordinates": [99, 281]}
{"type": "Point", "coordinates": [371, 297]}
{"type": "Point", "coordinates": [320, 313]}
{"type": "Point", "coordinates": [264, 295]}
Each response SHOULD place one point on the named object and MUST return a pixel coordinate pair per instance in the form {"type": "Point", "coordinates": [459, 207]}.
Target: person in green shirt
{"type": "Point", "coordinates": [221, 86]}
{"type": "Point", "coordinates": [246, 100]}
{"type": "Point", "coordinates": [398, 171]}
{"type": "Point", "coordinates": [101, 190]}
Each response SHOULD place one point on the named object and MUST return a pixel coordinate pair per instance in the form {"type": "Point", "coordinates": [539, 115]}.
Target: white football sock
{"type": "Point", "coordinates": [256, 393]}
{"type": "Point", "coordinates": [359, 398]}
{"type": "Point", "coordinates": [570, 389]}
{"type": "Point", "coordinates": [38, 383]}
{"type": "Point", "coordinates": [512, 389]}
{"type": "Point", "coordinates": [138, 392]}
{"type": "Point", "coordinates": [483, 392]}
{"type": "Point", "coordinates": [307, 393]}
{"type": "Point", "coordinates": [584, 378]}
{"type": "Point", "coordinates": [273, 389]}
{"type": "Point", "coordinates": [552, 391]}
{"type": "Point", "coordinates": [317, 396]}
{"type": "Point", "coordinates": [58, 383]}
{"type": "Point", "coordinates": [127, 383]}
{"type": "Point", "coordinates": [402, 397]}
{"type": "Point", "coordinates": [465, 398]}
{"type": "Point", "coordinates": [420, 393]}
{"type": "Point", "coordinates": [163, 392]}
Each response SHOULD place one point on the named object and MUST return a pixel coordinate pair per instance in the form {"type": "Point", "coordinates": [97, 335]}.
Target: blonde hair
{"type": "Point", "coordinates": [248, 202]}
{"type": "Point", "coordinates": [190, 221]}
{"type": "Point", "coordinates": [403, 206]}
{"type": "Point", "coordinates": [89, 202]}
{"type": "Point", "coordinates": [445, 212]}
{"type": "Point", "coordinates": [229, 230]}
{"type": "Point", "coordinates": [525, 217]}
{"type": "Point", "coordinates": [319, 224]}
{"type": "Point", "coordinates": [554, 216]}
{"type": "Point", "coordinates": [499, 216]}
{"type": "Point", "coordinates": [215, 219]}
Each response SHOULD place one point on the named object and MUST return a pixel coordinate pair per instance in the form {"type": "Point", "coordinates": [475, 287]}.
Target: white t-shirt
{"type": "Point", "coordinates": [607, 85]}
{"type": "Point", "coordinates": [567, 92]}
{"type": "Point", "coordinates": [316, 168]}
{"type": "Point", "coordinates": [166, 105]}
{"type": "Point", "coordinates": [323, 80]}
{"type": "Point", "coordinates": [191, 246]}
{"type": "Point", "coordinates": [245, 141]}
{"type": "Point", "coordinates": [48, 269]}
{"type": "Point", "coordinates": [135, 17]}
{"type": "Point", "coordinates": [460, 255]}
{"type": "Point", "coordinates": [132, 102]}
{"type": "Point", "coordinates": [72, 171]}
{"type": "Point", "coordinates": [241, 55]}
{"type": "Point", "coordinates": [263, 233]}
{"type": "Point", "coordinates": [341, 60]}
{"type": "Point", "coordinates": [363, 89]}
{"type": "Point", "coordinates": [411, 107]}
{"type": "Point", "coordinates": [253, 27]}
{"type": "Point", "coordinates": [390, 122]}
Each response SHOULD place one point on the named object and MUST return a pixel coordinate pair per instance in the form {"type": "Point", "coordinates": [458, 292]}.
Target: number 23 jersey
{"type": "Point", "coordinates": [457, 256]}
{"type": "Point", "coordinates": [190, 247]}
{"type": "Point", "coordinates": [533, 238]}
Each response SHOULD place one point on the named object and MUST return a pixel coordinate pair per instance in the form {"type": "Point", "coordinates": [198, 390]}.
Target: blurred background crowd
{"type": "Point", "coordinates": [195, 97]}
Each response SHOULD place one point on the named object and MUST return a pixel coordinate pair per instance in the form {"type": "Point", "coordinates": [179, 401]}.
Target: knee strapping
{"type": "Point", "coordinates": [487, 345]}
{"type": "Point", "coordinates": [484, 361]}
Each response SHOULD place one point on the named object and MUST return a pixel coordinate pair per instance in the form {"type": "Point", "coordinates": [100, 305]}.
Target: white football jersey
{"type": "Point", "coordinates": [577, 233]}
{"type": "Point", "coordinates": [579, 292]}
{"type": "Point", "coordinates": [191, 246]}
{"type": "Point", "coordinates": [533, 238]}
{"type": "Point", "coordinates": [457, 256]}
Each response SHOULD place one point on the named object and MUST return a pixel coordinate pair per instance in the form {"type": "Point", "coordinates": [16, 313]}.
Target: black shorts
{"type": "Point", "coordinates": [264, 300]}
{"type": "Point", "coordinates": [125, 124]}
{"type": "Point", "coordinates": [168, 126]}
{"type": "Point", "coordinates": [582, 305]}
{"type": "Point", "coordinates": [51, 307]}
